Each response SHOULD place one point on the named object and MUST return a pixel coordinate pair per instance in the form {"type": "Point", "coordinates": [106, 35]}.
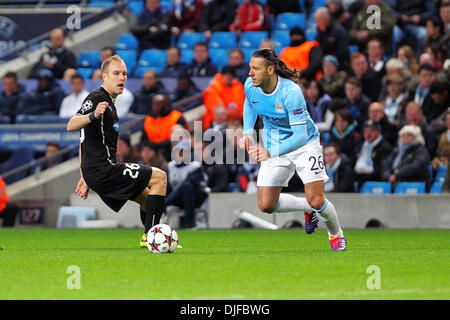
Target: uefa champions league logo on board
{"type": "Point", "coordinates": [7, 27]}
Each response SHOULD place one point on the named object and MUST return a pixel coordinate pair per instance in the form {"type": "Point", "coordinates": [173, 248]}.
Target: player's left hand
{"type": "Point", "coordinates": [258, 153]}
{"type": "Point", "coordinates": [82, 189]}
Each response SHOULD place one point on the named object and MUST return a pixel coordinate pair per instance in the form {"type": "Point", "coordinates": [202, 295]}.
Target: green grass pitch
{"type": "Point", "coordinates": [219, 264]}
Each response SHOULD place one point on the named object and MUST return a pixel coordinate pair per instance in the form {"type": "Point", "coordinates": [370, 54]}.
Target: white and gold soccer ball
{"type": "Point", "coordinates": [162, 238]}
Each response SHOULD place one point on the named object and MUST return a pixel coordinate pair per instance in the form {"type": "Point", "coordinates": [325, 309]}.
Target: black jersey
{"type": "Point", "coordinates": [99, 138]}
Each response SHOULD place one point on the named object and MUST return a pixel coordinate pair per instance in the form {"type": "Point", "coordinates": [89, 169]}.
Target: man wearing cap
{"type": "Point", "coordinates": [332, 80]}
{"type": "Point", "coordinates": [332, 37]}
{"type": "Point", "coordinates": [302, 54]}
{"type": "Point", "coordinates": [46, 99]}
{"type": "Point", "coordinates": [373, 159]}
{"type": "Point", "coordinates": [388, 130]}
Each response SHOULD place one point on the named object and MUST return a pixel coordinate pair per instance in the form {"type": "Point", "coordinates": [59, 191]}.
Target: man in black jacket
{"type": "Point", "coordinates": [339, 170]}
{"type": "Point", "coordinates": [373, 158]}
{"type": "Point", "coordinates": [201, 65]}
{"type": "Point", "coordinates": [388, 130]}
{"type": "Point", "coordinates": [174, 66]}
{"type": "Point", "coordinates": [58, 59]}
{"type": "Point", "coordinates": [217, 16]}
{"type": "Point", "coordinates": [9, 97]}
{"type": "Point", "coordinates": [152, 29]}
{"type": "Point", "coordinates": [151, 86]}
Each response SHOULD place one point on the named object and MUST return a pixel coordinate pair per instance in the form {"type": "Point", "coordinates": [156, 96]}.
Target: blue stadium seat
{"type": "Point", "coordinates": [100, 3]}
{"type": "Point", "coordinates": [311, 33]}
{"type": "Point", "coordinates": [136, 6]}
{"type": "Point", "coordinates": [248, 54]}
{"type": "Point", "coordinates": [73, 217]}
{"type": "Point", "coordinates": [187, 40]}
{"type": "Point", "coordinates": [440, 174]}
{"type": "Point", "coordinates": [436, 188]}
{"type": "Point", "coordinates": [129, 57]}
{"type": "Point", "coordinates": [5, 120]}
{"type": "Point", "coordinates": [168, 4]}
{"type": "Point", "coordinates": [86, 73]}
{"type": "Point", "coordinates": [89, 59]}
{"type": "Point", "coordinates": [326, 138]}
{"type": "Point", "coordinates": [252, 39]}
{"type": "Point", "coordinates": [353, 49]}
{"type": "Point", "coordinates": [187, 55]}
{"type": "Point", "coordinates": [376, 187]}
{"type": "Point", "coordinates": [219, 57]}
{"type": "Point", "coordinates": [222, 40]}
{"type": "Point", "coordinates": [319, 3]}
{"type": "Point", "coordinates": [410, 188]}
{"type": "Point", "coordinates": [281, 39]}
{"type": "Point", "coordinates": [127, 41]}
{"type": "Point", "coordinates": [139, 72]}
{"type": "Point", "coordinates": [288, 20]}
{"type": "Point", "coordinates": [19, 157]}
{"type": "Point", "coordinates": [153, 58]}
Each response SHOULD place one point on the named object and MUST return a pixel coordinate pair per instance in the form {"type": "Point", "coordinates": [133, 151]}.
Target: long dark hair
{"type": "Point", "coordinates": [271, 59]}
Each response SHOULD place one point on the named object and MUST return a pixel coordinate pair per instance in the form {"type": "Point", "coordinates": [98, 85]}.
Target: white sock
{"type": "Point", "coordinates": [328, 215]}
{"type": "Point", "coordinates": [289, 203]}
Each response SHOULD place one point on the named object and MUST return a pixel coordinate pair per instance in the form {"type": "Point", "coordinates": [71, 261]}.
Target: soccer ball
{"type": "Point", "coordinates": [162, 239]}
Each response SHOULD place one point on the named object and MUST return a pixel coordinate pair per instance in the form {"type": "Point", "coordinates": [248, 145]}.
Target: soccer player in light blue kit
{"type": "Point", "coordinates": [291, 143]}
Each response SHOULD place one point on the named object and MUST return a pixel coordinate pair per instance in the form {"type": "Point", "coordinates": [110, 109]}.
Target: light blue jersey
{"type": "Point", "coordinates": [287, 123]}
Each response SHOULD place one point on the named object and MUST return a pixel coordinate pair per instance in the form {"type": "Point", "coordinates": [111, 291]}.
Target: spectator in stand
{"type": "Point", "coordinates": [105, 53]}
{"type": "Point", "coordinates": [435, 30]}
{"type": "Point", "coordinates": [357, 101]}
{"type": "Point", "coordinates": [396, 98]}
{"type": "Point", "coordinates": [410, 161]}
{"type": "Point", "coordinates": [236, 60]}
{"type": "Point", "coordinates": [58, 59]}
{"type": "Point", "coordinates": [363, 28]}
{"type": "Point", "coordinates": [276, 7]}
{"type": "Point", "coordinates": [318, 102]}
{"type": "Point", "coordinates": [406, 55]}
{"type": "Point", "coordinates": [224, 91]}
{"type": "Point", "coordinates": [10, 95]}
{"type": "Point", "coordinates": [332, 80]}
{"type": "Point", "coordinates": [440, 94]}
{"type": "Point", "coordinates": [411, 18]}
{"type": "Point", "coordinates": [344, 133]}
{"type": "Point", "coordinates": [220, 122]}
{"type": "Point", "coordinates": [201, 65]}
{"type": "Point", "coordinates": [174, 66]}
{"type": "Point", "coordinates": [72, 103]}
{"type": "Point", "coordinates": [439, 54]}
{"type": "Point", "coordinates": [341, 16]}
{"type": "Point", "coordinates": [267, 43]}
{"type": "Point", "coordinates": [51, 149]}
{"type": "Point", "coordinates": [186, 15]}
{"type": "Point", "coordinates": [125, 151]}
{"type": "Point", "coordinates": [186, 88]}
{"type": "Point", "coordinates": [186, 184]}
{"type": "Point", "coordinates": [420, 92]}
{"type": "Point", "coordinates": [217, 16]}
{"type": "Point", "coordinates": [150, 156]}
{"type": "Point", "coordinates": [373, 159]}
{"type": "Point", "coordinates": [46, 99]}
{"type": "Point", "coordinates": [302, 54]}
{"type": "Point", "coordinates": [339, 170]}
{"type": "Point", "coordinates": [375, 55]}
{"type": "Point", "coordinates": [151, 86]}
{"type": "Point", "coordinates": [370, 80]}
{"type": "Point", "coordinates": [249, 17]}
{"type": "Point", "coordinates": [332, 37]}
{"type": "Point", "coordinates": [8, 210]}
{"type": "Point", "coordinates": [395, 67]}
{"type": "Point", "coordinates": [388, 130]}
{"type": "Point", "coordinates": [152, 29]}
{"type": "Point", "coordinates": [159, 123]}
{"type": "Point", "coordinates": [443, 152]}
{"type": "Point", "coordinates": [414, 116]}
{"type": "Point", "coordinates": [444, 13]}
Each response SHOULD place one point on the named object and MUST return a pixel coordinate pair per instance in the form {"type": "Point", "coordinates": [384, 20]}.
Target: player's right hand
{"type": "Point", "coordinates": [246, 141]}
{"type": "Point", "coordinates": [82, 189]}
{"type": "Point", "coordinates": [101, 108]}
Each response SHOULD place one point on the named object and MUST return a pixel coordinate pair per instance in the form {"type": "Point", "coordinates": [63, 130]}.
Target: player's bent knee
{"type": "Point", "coordinates": [266, 206]}
{"type": "Point", "coordinates": [159, 177]}
{"type": "Point", "coordinates": [316, 201]}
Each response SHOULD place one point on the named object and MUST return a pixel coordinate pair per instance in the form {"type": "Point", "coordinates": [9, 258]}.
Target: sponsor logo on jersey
{"type": "Point", "coordinates": [87, 105]}
{"type": "Point", "coordinates": [298, 111]}
{"type": "Point", "coordinates": [273, 119]}
{"type": "Point", "coordinates": [116, 126]}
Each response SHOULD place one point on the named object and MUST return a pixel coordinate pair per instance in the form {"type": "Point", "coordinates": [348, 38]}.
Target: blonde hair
{"type": "Point", "coordinates": [105, 64]}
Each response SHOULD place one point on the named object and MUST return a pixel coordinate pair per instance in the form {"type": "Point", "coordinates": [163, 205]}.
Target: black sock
{"type": "Point", "coordinates": [143, 213]}
{"type": "Point", "coordinates": [155, 207]}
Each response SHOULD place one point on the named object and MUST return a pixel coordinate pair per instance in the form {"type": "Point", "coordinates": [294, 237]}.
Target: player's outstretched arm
{"type": "Point", "coordinates": [78, 121]}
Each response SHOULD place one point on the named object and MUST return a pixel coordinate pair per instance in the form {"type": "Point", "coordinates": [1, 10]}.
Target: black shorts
{"type": "Point", "coordinates": [118, 183]}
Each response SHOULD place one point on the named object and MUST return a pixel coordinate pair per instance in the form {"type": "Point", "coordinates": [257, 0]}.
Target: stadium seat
{"type": "Point", "coordinates": [187, 40]}
{"type": "Point", "coordinates": [127, 41]}
{"type": "Point", "coordinates": [281, 39]}
{"type": "Point", "coordinates": [436, 188]}
{"type": "Point", "coordinates": [311, 33]}
{"type": "Point", "coordinates": [5, 120]}
{"type": "Point", "coordinates": [129, 57]}
{"type": "Point", "coordinates": [152, 58]}
{"type": "Point", "coordinates": [252, 39]}
{"type": "Point", "coordinates": [376, 187]}
{"type": "Point", "coordinates": [19, 157]}
{"type": "Point", "coordinates": [136, 6]}
{"type": "Point", "coordinates": [89, 59]}
{"type": "Point", "coordinates": [101, 3]}
{"type": "Point", "coordinates": [219, 57]}
{"type": "Point", "coordinates": [248, 54]}
{"type": "Point", "coordinates": [86, 73]}
{"type": "Point", "coordinates": [44, 118]}
{"type": "Point", "coordinates": [139, 71]}
{"type": "Point", "coordinates": [187, 55]}
{"type": "Point", "coordinates": [287, 20]}
{"type": "Point", "coordinates": [319, 3]}
{"type": "Point", "coordinates": [73, 217]}
{"type": "Point", "coordinates": [410, 188]}
{"type": "Point", "coordinates": [168, 4]}
{"type": "Point", "coordinates": [353, 49]}
{"type": "Point", "coordinates": [223, 40]}
{"type": "Point", "coordinates": [440, 174]}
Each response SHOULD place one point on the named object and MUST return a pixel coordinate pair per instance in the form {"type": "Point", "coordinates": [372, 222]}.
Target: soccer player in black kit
{"type": "Point", "coordinates": [115, 182]}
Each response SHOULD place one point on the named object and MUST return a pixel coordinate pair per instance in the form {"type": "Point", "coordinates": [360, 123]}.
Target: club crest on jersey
{"type": "Point", "coordinates": [87, 105]}
{"type": "Point", "coordinates": [279, 108]}
{"type": "Point", "coordinates": [116, 126]}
